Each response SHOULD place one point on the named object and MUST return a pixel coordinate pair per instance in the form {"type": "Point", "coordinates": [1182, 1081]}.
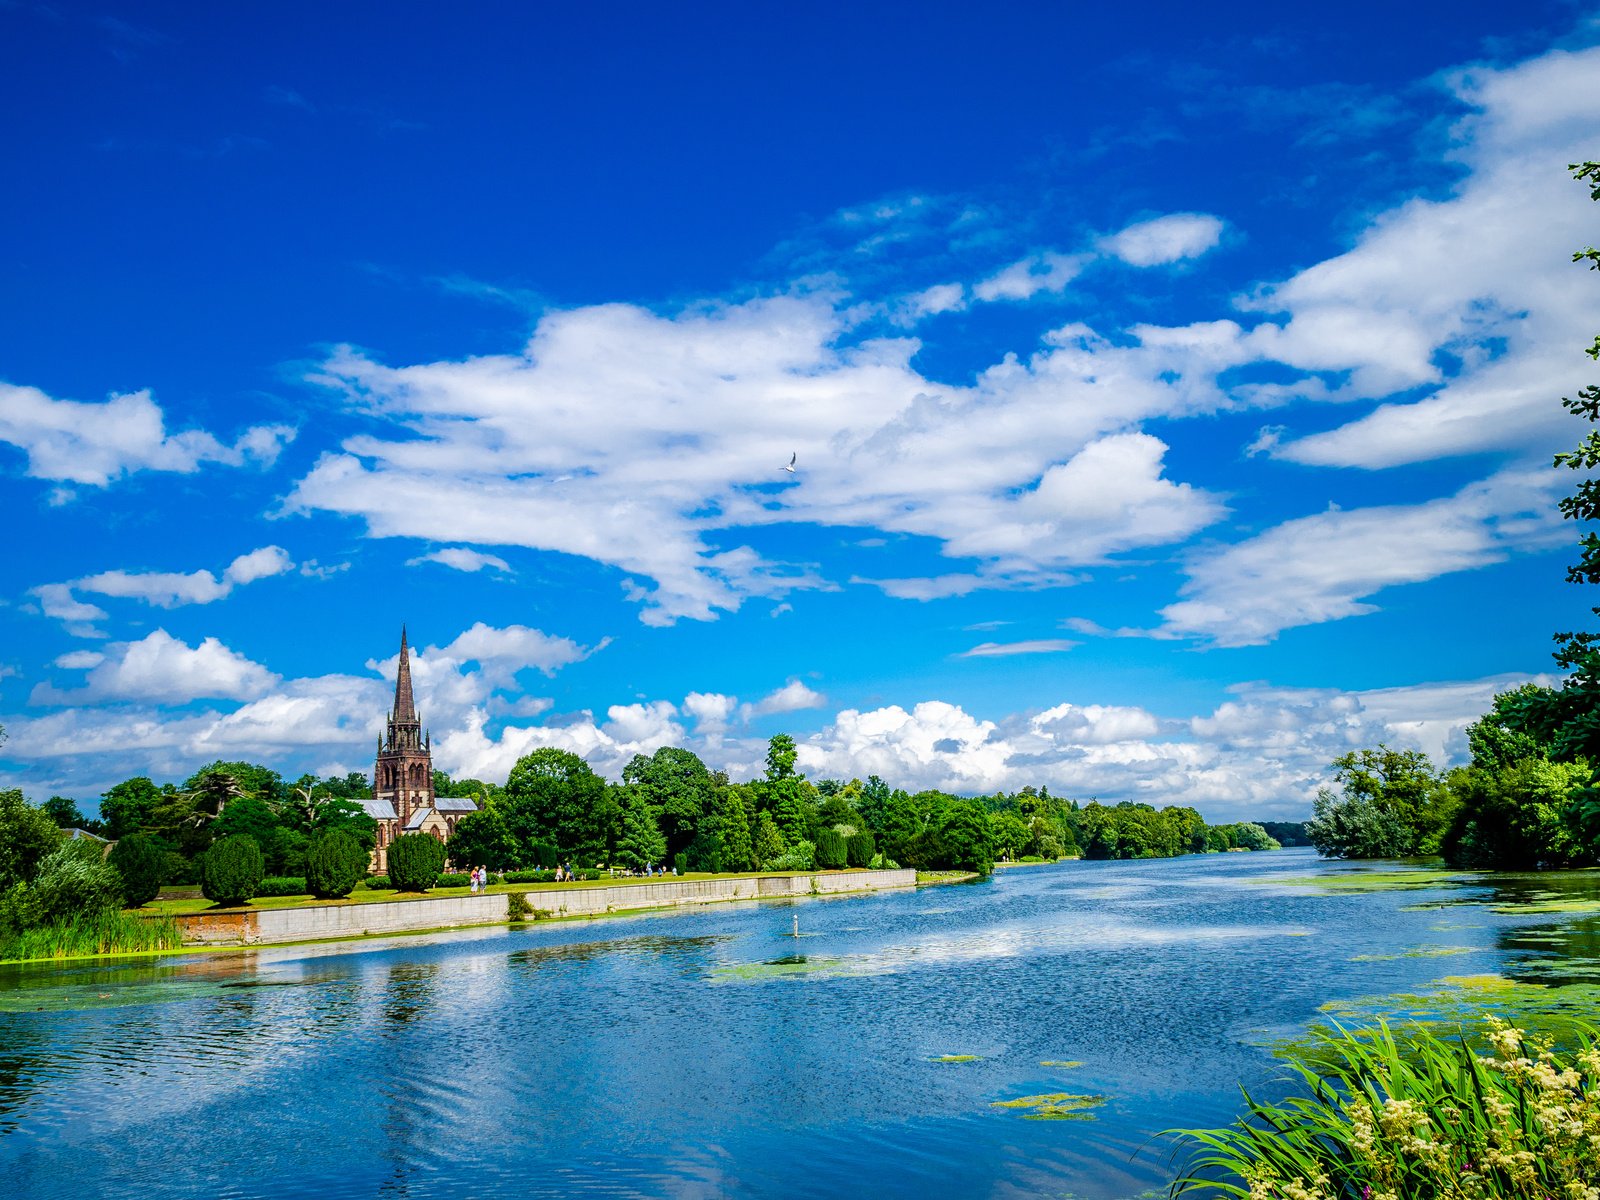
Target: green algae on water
{"type": "Point", "coordinates": [1358, 882]}
{"type": "Point", "coordinates": [1417, 952]}
{"type": "Point", "coordinates": [1053, 1106]}
{"type": "Point", "coordinates": [956, 1058]}
{"type": "Point", "coordinates": [793, 966]}
{"type": "Point", "coordinates": [1065, 1064]}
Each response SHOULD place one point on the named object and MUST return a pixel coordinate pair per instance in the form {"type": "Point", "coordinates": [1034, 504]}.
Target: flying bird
{"type": "Point", "coordinates": [792, 457]}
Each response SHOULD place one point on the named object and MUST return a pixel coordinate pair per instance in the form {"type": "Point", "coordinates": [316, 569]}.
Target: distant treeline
{"type": "Point", "coordinates": [669, 809]}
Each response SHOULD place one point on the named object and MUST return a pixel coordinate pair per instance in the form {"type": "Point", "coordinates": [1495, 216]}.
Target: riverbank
{"type": "Point", "coordinates": [334, 920]}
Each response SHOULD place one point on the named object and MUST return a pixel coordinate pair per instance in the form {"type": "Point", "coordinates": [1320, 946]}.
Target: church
{"type": "Point", "coordinates": [403, 800]}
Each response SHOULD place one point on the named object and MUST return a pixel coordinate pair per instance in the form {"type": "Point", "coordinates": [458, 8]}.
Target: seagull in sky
{"type": "Point", "coordinates": [792, 457]}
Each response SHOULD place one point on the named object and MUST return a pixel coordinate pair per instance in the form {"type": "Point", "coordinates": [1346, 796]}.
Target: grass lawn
{"type": "Point", "coordinates": [362, 895]}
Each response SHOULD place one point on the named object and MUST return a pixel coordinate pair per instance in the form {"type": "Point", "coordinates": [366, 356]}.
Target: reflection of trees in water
{"type": "Point", "coordinates": [693, 951]}
{"type": "Point", "coordinates": [1560, 950]}
{"type": "Point", "coordinates": [408, 993]}
{"type": "Point", "coordinates": [23, 1062]}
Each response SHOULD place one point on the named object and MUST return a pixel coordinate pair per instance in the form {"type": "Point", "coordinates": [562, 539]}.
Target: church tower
{"type": "Point", "coordinates": [403, 773]}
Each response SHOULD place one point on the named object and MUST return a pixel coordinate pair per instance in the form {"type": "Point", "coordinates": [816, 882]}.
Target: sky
{"type": "Point", "coordinates": [1171, 390]}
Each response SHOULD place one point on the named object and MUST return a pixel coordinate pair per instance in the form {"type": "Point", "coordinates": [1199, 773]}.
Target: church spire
{"type": "Point", "coordinates": [405, 708]}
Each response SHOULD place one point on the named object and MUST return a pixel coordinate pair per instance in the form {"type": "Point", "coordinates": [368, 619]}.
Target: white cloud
{"type": "Point", "coordinates": [1167, 239]}
{"type": "Point", "coordinates": [1472, 297]}
{"type": "Point", "coordinates": [1006, 649]}
{"type": "Point", "coordinates": [709, 709]}
{"type": "Point", "coordinates": [1326, 567]}
{"type": "Point", "coordinates": [160, 669]}
{"type": "Point", "coordinates": [95, 443]}
{"type": "Point", "coordinates": [462, 558]}
{"type": "Point", "coordinates": [1026, 278]}
{"type": "Point", "coordinates": [793, 696]}
{"type": "Point", "coordinates": [164, 589]}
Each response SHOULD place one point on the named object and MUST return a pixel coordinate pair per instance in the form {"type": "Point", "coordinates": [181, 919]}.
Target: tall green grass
{"type": "Point", "coordinates": [1413, 1116]}
{"type": "Point", "coordinates": [103, 933]}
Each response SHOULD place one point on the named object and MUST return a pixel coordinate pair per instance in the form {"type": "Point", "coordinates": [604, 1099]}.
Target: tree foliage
{"type": "Point", "coordinates": [415, 861]}
{"type": "Point", "coordinates": [141, 862]}
{"type": "Point", "coordinates": [335, 863]}
{"type": "Point", "coordinates": [231, 870]}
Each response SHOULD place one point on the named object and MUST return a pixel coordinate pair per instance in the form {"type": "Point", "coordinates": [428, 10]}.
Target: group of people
{"type": "Point", "coordinates": [480, 879]}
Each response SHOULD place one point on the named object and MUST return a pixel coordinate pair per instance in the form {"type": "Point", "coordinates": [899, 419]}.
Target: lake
{"type": "Point", "coordinates": [712, 1053]}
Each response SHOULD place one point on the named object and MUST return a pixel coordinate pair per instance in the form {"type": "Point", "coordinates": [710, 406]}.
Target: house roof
{"type": "Point", "coordinates": [455, 804]}
{"type": "Point", "coordinates": [419, 817]}
{"type": "Point", "coordinates": [379, 808]}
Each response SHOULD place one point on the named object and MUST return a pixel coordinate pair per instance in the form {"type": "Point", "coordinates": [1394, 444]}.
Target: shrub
{"type": "Point", "coordinates": [141, 863]}
{"type": "Point", "coordinates": [415, 861]}
{"type": "Point", "coordinates": [517, 906]}
{"type": "Point", "coordinates": [282, 885]}
{"type": "Point", "coordinates": [830, 849]}
{"type": "Point", "coordinates": [74, 881]}
{"type": "Point", "coordinates": [335, 862]}
{"type": "Point", "coordinates": [589, 873]}
{"type": "Point", "coordinates": [544, 856]}
{"type": "Point", "coordinates": [528, 877]}
{"type": "Point", "coordinates": [231, 871]}
{"type": "Point", "coordinates": [455, 879]}
{"type": "Point", "coordinates": [860, 849]}
{"type": "Point", "coordinates": [800, 857]}
{"type": "Point", "coordinates": [377, 883]}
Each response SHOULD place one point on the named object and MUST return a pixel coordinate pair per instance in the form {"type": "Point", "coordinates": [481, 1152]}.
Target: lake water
{"type": "Point", "coordinates": [711, 1053]}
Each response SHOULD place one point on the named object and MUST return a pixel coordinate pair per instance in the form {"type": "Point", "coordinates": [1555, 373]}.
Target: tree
{"type": "Point", "coordinates": [335, 863]}
{"type": "Point", "coordinates": [832, 853]}
{"type": "Point", "coordinates": [415, 861]}
{"type": "Point", "coordinates": [738, 850]}
{"type": "Point", "coordinates": [1011, 835]}
{"type": "Point", "coordinates": [641, 843]}
{"type": "Point", "coordinates": [75, 881]}
{"type": "Point", "coordinates": [1569, 718]}
{"type": "Point", "coordinates": [768, 842]}
{"type": "Point", "coordinates": [781, 755]}
{"type": "Point", "coordinates": [553, 795]}
{"type": "Point", "coordinates": [66, 814]}
{"type": "Point", "coordinates": [958, 835]}
{"type": "Point", "coordinates": [344, 815]}
{"type": "Point", "coordinates": [677, 785]}
{"type": "Point", "coordinates": [1520, 816]}
{"type": "Point", "coordinates": [231, 871]}
{"type": "Point", "coordinates": [1394, 805]}
{"type": "Point", "coordinates": [141, 862]}
{"type": "Point", "coordinates": [250, 779]}
{"type": "Point", "coordinates": [27, 835]}
{"type": "Point", "coordinates": [481, 839]}
{"type": "Point", "coordinates": [129, 806]}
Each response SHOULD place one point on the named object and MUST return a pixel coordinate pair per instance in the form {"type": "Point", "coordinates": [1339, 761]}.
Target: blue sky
{"type": "Point", "coordinates": [1172, 391]}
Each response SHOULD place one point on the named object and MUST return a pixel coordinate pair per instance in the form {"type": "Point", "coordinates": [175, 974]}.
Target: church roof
{"type": "Point", "coordinates": [418, 817]}
{"type": "Point", "coordinates": [379, 808]}
{"type": "Point", "coordinates": [455, 804]}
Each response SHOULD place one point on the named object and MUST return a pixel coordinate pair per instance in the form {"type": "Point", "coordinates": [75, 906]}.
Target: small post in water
{"type": "Point", "coordinates": [796, 924]}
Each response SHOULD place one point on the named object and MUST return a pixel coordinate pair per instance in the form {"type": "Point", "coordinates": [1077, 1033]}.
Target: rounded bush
{"type": "Point", "coordinates": [141, 863]}
{"type": "Point", "coordinates": [860, 849]}
{"type": "Point", "coordinates": [415, 861]}
{"type": "Point", "coordinates": [283, 885]}
{"type": "Point", "coordinates": [335, 863]}
{"type": "Point", "coordinates": [831, 853]}
{"type": "Point", "coordinates": [377, 883]}
{"type": "Point", "coordinates": [232, 870]}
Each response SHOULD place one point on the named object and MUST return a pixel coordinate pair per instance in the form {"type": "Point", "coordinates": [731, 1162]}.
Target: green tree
{"type": "Point", "coordinates": [141, 862]}
{"type": "Point", "coordinates": [250, 779]}
{"type": "Point", "coordinates": [1518, 817]}
{"type": "Point", "coordinates": [958, 835]}
{"type": "Point", "coordinates": [75, 881]}
{"type": "Point", "coordinates": [832, 854]}
{"type": "Point", "coordinates": [335, 863]}
{"type": "Point", "coordinates": [781, 755]}
{"type": "Point", "coordinates": [65, 813]}
{"type": "Point", "coordinates": [768, 842]}
{"type": "Point", "coordinates": [1011, 835]}
{"type": "Point", "coordinates": [677, 786]}
{"type": "Point", "coordinates": [641, 843]}
{"type": "Point", "coordinates": [415, 861]}
{"type": "Point", "coordinates": [129, 806]}
{"type": "Point", "coordinates": [738, 849]}
{"type": "Point", "coordinates": [27, 835]}
{"type": "Point", "coordinates": [347, 816]}
{"type": "Point", "coordinates": [481, 839]}
{"type": "Point", "coordinates": [231, 871]}
{"type": "Point", "coordinates": [1394, 804]}
{"type": "Point", "coordinates": [553, 796]}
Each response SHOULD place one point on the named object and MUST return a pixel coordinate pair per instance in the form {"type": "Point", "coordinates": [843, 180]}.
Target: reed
{"type": "Point", "coordinates": [102, 933]}
{"type": "Point", "coordinates": [1408, 1116]}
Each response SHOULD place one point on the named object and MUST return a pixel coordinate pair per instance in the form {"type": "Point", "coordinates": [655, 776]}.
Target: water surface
{"type": "Point", "coordinates": [711, 1053]}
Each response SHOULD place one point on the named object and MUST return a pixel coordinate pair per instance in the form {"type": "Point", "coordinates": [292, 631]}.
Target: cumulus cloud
{"type": "Point", "coordinates": [1167, 239]}
{"type": "Point", "coordinates": [1027, 277]}
{"type": "Point", "coordinates": [92, 444]}
{"type": "Point", "coordinates": [793, 696]}
{"type": "Point", "coordinates": [462, 558]}
{"type": "Point", "coordinates": [160, 669]}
